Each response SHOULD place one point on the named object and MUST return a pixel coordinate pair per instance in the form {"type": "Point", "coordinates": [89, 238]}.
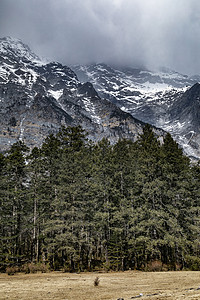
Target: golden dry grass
{"type": "Point", "coordinates": [126, 285]}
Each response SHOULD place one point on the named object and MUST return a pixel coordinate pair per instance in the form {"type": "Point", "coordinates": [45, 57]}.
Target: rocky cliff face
{"type": "Point", "coordinates": [165, 99]}
{"type": "Point", "coordinates": [185, 115]}
{"type": "Point", "coordinates": [37, 97]}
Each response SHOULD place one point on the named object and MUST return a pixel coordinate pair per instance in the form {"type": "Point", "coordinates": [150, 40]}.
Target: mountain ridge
{"type": "Point", "coordinates": [37, 98]}
{"type": "Point", "coordinates": [151, 97]}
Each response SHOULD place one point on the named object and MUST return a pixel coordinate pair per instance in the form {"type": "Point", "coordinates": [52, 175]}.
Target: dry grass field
{"type": "Point", "coordinates": [127, 285]}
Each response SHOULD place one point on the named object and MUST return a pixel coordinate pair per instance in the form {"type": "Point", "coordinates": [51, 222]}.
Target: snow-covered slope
{"type": "Point", "coordinates": [12, 48]}
{"type": "Point", "coordinates": [149, 96]}
{"type": "Point", "coordinates": [37, 97]}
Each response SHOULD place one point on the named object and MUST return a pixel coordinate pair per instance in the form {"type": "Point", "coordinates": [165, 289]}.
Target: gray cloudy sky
{"type": "Point", "coordinates": [135, 32]}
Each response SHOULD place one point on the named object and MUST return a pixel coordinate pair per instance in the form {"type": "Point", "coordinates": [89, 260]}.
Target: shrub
{"type": "Point", "coordinates": [43, 268]}
{"type": "Point", "coordinates": [193, 263]}
{"type": "Point", "coordinates": [11, 270]}
{"type": "Point", "coordinates": [155, 266]}
{"type": "Point", "coordinates": [34, 268]}
{"type": "Point", "coordinates": [25, 269]}
{"type": "Point", "coordinates": [96, 281]}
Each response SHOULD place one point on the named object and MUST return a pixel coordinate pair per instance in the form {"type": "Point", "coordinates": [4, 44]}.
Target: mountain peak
{"type": "Point", "coordinates": [194, 92]}
{"type": "Point", "coordinates": [88, 90]}
{"type": "Point", "coordinates": [196, 86]}
{"type": "Point", "coordinates": [37, 98]}
{"type": "Point", "coordinates": [16, 48]}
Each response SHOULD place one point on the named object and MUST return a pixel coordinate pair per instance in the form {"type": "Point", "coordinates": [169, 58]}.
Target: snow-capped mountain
{"type": "Point", "coordinates": [153, 97]}
{"type": "Point", "coordinates": [37, 97]}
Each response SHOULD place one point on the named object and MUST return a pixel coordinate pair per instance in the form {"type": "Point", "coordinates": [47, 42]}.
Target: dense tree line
{"type": "Point", "coordinates": [81, 206]}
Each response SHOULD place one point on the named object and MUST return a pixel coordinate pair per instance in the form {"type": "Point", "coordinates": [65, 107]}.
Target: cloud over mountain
{"type": "Point", "coordinates": [133, 32]}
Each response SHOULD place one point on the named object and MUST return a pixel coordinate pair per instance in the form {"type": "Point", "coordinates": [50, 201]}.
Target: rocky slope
{"type": "Point", "coordinates": [165, 99]}
{"type": "Point", "coordinates": [37, 97]}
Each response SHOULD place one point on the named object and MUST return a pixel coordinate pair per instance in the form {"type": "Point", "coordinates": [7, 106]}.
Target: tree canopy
{"type": "Point", "coordinates": [81, 206]}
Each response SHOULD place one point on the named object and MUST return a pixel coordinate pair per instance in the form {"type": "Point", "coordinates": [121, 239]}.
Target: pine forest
{"type": "Point", "coordinates": [75, 205]}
